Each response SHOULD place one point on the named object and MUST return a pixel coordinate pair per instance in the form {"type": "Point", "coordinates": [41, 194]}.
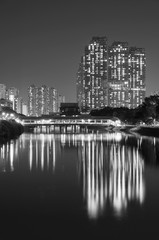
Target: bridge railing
{"type": "Point", "coordinates": [71, 121]}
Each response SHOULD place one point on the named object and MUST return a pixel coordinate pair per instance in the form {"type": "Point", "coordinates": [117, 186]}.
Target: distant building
{"type": "Point", "coordinates": [19, 104]}
{"type": "Point", "coordinates": [42, 100]}
{"type": "Point", "coordinates": [6, 103]}
{"type": "Point", "coordinates": [12, 94]}
{"type": "Point", "coordinates": [10, 98]}
{"type": "Point", "coordinates": [53, 103]}
{"type": "Point", "coordinates": [2, 91]}
{"type": "Point", "coordinates": [32, 100]}
{"type": "Point", "coordinates": [69, 109]}
{"type": "Point", "coordinates": [25, 109]}
{"type": "Point", "coordinates": [92, 76]}
{"type": "Point", "coordinates": [61, 99]}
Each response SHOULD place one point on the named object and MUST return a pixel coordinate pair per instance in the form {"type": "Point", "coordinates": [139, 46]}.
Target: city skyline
{"type": "Point", "coordinates": [41, 100]}
{"type": "Point", "coordinates": [42, 42]}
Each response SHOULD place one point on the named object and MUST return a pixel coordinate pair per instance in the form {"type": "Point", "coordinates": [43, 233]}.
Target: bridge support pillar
{"type": "Point", "coordinates": [64, 129]}
{"type": "Point", "coordinates": [74, 128]}
{"type": "Point", "coordinates": [48, 129]}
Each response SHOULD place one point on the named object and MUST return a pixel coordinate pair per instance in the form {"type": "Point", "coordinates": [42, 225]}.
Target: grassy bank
{"type": "Point", "coordinates": [9, 130]}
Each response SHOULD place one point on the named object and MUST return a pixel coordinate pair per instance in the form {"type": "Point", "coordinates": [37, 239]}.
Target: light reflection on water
{"type": "Point", "coordinates": [111, 173]}
{"type": "Point", "coordinates": [110, 169]}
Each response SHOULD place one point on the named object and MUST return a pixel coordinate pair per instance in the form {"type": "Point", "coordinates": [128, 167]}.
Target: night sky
{"type": "Point", "coordinates": [41, 42]}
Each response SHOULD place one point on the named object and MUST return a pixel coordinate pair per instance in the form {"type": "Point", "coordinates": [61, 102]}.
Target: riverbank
{"type": "Point", "coordinates": [9, 130]}
{"type": "Point", "coordinates": [152, 131]}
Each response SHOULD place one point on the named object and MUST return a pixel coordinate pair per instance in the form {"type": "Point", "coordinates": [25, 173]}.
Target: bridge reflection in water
{"type": "Point", "coordinates": [110, 170]}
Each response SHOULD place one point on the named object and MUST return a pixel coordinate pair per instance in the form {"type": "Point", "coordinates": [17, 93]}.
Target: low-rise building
{"type": "Point", "coordinates": [69, 109]}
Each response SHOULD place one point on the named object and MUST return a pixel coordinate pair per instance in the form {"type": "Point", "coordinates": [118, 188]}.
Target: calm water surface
{"type": "Point", "coordinates": [103, 185]}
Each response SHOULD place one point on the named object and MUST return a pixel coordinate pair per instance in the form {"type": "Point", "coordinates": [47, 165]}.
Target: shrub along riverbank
{"type": "Point", "coordinates": [9, 130]}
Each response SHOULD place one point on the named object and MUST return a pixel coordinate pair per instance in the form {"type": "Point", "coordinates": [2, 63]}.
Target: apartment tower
{"type": "Point", "coordinates": [92, 76]}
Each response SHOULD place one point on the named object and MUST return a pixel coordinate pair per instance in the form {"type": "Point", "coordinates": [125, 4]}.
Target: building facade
{"type": "Point", "coordinates": [137, 76]}
{"type": "Point", "coordinates": [61, 100]}
{"type": "Point", "coordinates": [32, 100]}
{"type": "Point", "coordinates": [92, 76]}
{"type": "Point", "coordinates": [25, 109]}
{"type": "Point", "coordinates": [118, 94]}
{"type": "Point", "coordinates": [53, 103]}
{"type": "Point", "coordinates": [10, 98]}
{"type": "Point", "coordinates": [12, 94]}
{"type": "Point", "coordinates": [127, 68]}
{"type": "Point", "coordinates": [2, 91]}
{"type": "Point", "coordinates": [5, 103]}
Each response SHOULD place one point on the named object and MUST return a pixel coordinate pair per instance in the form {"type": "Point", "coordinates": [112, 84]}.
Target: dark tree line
{"type": "Point", "coordinates": [147, 112]}
{"type": "Point", "coordinates": [9, 130]}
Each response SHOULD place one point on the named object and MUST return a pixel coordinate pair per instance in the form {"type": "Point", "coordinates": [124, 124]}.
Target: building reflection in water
{"type": "Point", "coordinates": [111, 174]}
{"type": "Point", "coordinates": [8, 153]}
{"type": "Point", "coordinates": [42, 152]}
{"type": "Point", "coordinates": [110, 165]}
{"type": "Point", "coordinates": [35, 152]}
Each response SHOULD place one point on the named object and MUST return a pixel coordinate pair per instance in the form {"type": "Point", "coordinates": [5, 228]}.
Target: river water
{"type": "Point", "coordinates": [79, 186]}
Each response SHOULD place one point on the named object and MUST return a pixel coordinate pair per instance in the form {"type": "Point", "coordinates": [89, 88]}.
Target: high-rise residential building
{"type": "Point", "coordinates": [42, 100]}
{"type": "Point", "coordinates": [137, 76]}
{"type": "Point", "coordinates": [92, 76]}
{"type": "Point", "coordinates": [126, 75]}
{"type": "Point", "coordinates": [53, 103]}
{"type": "Point", "coordinates": [32, 100]}
{"type": "Point", "coordinates": [18, 104]}
{"type": "Point", "coordinates": [119, 84]}
{"type": "Point", "coordinates": [111, 76]}
{"type": "Point", "coordinates": [2, 91]}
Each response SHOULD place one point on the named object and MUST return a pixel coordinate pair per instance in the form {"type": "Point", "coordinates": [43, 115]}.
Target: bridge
{"type": "Point", "coordinates": [63, 123]}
